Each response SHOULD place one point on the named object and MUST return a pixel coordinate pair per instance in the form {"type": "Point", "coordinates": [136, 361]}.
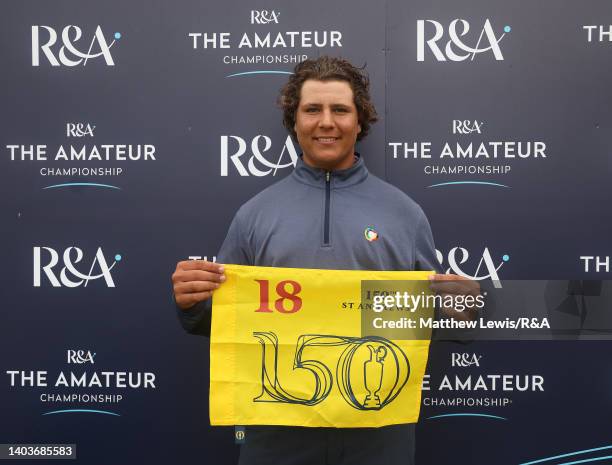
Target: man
{"type": "Point", "coordinates": [318, 217]}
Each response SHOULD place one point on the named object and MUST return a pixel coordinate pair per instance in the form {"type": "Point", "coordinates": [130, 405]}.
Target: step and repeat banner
{"type": "Point", "coordinates": [132, 132]}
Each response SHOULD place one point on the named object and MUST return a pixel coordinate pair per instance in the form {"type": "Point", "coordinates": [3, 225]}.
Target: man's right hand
{"type": "Point", "coordinates": [194, 281]}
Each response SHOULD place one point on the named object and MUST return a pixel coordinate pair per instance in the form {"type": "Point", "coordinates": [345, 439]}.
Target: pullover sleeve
{"type": "Point", "coordinates": [234, 250]}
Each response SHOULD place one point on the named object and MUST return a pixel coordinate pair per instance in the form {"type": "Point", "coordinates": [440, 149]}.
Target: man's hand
{"type": "Point", "coordinates": [455, 285]}
{"type": "Point", "coordinates": [194, 281]}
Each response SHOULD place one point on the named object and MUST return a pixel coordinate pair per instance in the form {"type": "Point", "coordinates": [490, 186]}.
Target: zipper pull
{"type": "Point", "coordinates": [327, 176]}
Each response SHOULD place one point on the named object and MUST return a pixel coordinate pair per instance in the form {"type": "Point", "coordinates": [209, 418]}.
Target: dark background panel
{"type": "Point", "coordinates": [552, 86]}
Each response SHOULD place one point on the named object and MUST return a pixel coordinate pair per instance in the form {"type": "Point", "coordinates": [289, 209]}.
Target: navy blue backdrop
{"type": "Point", "coordinates": [132, 132]}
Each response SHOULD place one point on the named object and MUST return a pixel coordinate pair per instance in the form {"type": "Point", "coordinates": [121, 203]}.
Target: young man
{"type": "Point", "coordinates": [317, 218]}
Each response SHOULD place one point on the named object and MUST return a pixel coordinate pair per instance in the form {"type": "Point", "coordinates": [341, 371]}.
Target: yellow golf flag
{"type": "Point", "coordinates": [305, 347]}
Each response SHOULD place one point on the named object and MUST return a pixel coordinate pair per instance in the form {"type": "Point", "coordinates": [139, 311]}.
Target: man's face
{"type": "Point", "coordinates": [326, 124]}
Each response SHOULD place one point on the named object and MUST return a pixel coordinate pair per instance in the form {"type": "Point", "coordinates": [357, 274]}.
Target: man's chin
{"type": "Point", "coordinates": [327, 161]}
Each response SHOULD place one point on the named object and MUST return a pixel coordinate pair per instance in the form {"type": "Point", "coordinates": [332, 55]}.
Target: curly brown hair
{"type": "Point", "coordinates": [326, 68]}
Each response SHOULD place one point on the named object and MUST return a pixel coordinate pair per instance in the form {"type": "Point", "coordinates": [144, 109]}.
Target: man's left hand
{"type": "Point", "coordinates": [455, 285]}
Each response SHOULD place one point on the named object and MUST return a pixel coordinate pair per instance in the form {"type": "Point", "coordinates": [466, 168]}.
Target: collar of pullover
{"type": "Point", "coordinates": [339, 178]}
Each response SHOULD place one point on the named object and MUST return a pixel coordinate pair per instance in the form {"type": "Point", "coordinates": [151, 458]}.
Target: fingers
{"type": "Point", "coordinates": [453, 284]}
{"type": "Point", "coordinates": [195, 287]}
{"type": "Point", "coordinates": [200, 265]}
{"type": "Point", "coordinates": [451, 288]}
{"type": "Point", "coordinates": [186, 301]}
{"type": "Point", "coordinates": [196, 275]}
{"type": "Point", "coordinates": [451, 312]}
{"type": "Point", "coordinates": [195, 280]}
{"type": "Point", "coordinates": [448, 277]}
{"type": "Point", "coordinates": [460, 299]}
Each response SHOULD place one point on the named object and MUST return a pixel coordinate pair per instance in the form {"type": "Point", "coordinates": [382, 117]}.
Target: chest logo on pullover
{"type": "Point", "coordinates": [370, 234]}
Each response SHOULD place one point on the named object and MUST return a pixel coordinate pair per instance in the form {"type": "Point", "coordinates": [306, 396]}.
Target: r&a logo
{"type": "Point", "coordinates": [466, 126]}
{"type": "Point", "coordinates": [79, 130]}
{"type": "Point", "coordinates": [455, 263]}
{"type": "Point", "coordinates": [80, 356]}
{"type": "Point", "coordinates": [70, 36]}
{"type": "Point", "coordinates": [70, 257]}
{"type": "Point", "coordinates": [264, 16]}
{"type": "Point", "coordinates": [465, 360]}
{"type": "Point", "coordinates": [256, 155]}
{"type": "Point", "coordinates": [486, 33]}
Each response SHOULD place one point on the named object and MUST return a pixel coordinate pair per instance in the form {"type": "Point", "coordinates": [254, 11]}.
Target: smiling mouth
{"type": "Point", "coordinates": [326, 140]}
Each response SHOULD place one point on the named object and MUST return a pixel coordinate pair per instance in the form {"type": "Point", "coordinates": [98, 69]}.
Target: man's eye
{"type": "Point", "coordinates": [340, 110]}
{"type": "Point", "coordinates": [311, 110]}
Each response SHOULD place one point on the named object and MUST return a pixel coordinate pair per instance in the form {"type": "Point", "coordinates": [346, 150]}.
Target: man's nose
{"type": "Point", "coordinates": [327, 119]}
